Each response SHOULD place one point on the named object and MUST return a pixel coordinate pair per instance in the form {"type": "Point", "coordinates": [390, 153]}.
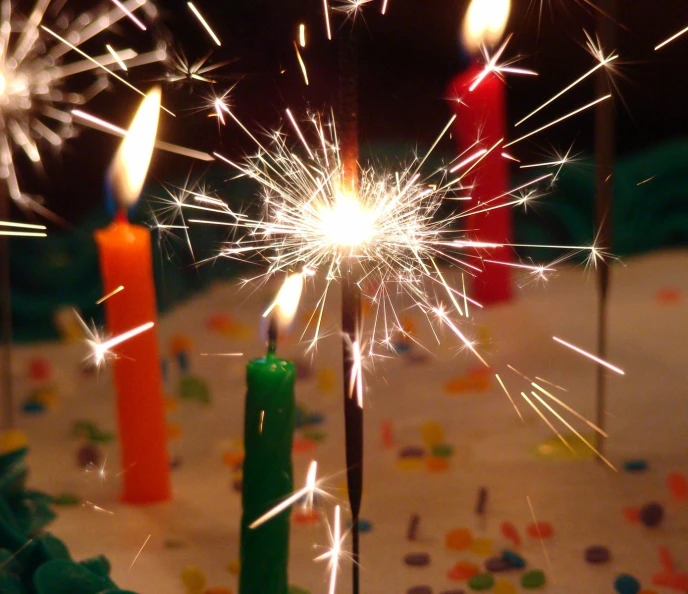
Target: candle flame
{"type": "Point", "coordinates": [485, 22]}
{"type": "Point", "coordinates": [130, 166]}
{"type": "Point", "coordinates": [287, 301]}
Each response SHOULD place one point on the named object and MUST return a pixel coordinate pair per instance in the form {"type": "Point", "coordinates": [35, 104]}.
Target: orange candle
{"type": "Point", "coordinates": [125, 260]}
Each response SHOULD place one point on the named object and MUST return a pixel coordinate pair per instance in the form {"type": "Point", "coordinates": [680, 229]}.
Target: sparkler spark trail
{"type": "Point", "coordinates": [183, 70]}
{"type": "Point", "coordinates": [115, 55]}
{"type": "Point", "coordinates": [145, 542]}
{"type": "Point", "coordinates": [308, 491]}
{"type": "Point", "coordinates": [558, 120]}
{"type": "Point", "coordinates": [130, 14]}
{"type": "Point", "coordinates": [35, 99]}
{"type": "Point", "coordinates": [501, 383]}
{"type": "Point", "coordinates": [492, 65]}
{"type": "Point", "coordinates": [335, 553]}
{"type": "Point", "coordinates": [101, 348]}
{"type": "Point", "coordinates": [603, 60]}
{"type": "Point", "coordinates": [203, 22]}
{"type": "Point", "coordinates": [542, 540]}
{"type": "Point", "coordinates": [35, 230]}
{"type": "Point", "coordinates": [105, 126]}
{"type": "Point", "coordinates": [110, 294]}
{"type": "Point", "coordinates": [98, 64]}
{"type": "Point", "coordinates": [672, 38]}
{"type": "Point", "coordinates": [326, 11]}
{"type": "Point", "coordinates": [301, 63]}
{"type": "Point", "coordinates": [302, 35]}
{"type": "Point", "coordinates": [590, 356]}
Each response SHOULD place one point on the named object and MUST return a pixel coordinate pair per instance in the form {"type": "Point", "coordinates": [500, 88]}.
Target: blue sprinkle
{"type": "Point", "coordinates": [637, 465]}
{"type": "Point", "coordinates": [33, 406]}
{"type": "Point", "coordinates": [626, 584]}
{"type": "Point", "coordinates": [315, 419]}
{"type": "Point", "coordinates": [183, 361]}
{"type": "Point", "coordinates": [363, 525]}
{"type": "Point", "coordinates": [514, 559]}
{"type": "Point", "coordinates": [401, 347]}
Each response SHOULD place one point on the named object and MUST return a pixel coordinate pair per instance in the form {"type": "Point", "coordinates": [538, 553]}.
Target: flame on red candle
{"type": "Point", "coordinates": [130, 165]}
{"type": "Point", "coordinates": [484, 23]}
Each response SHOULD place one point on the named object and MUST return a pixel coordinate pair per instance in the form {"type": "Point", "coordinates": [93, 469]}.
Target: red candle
{"type": "Point", "coordinates": [125, 260]}
{"type": "Point", "coordinates": [481, 116]}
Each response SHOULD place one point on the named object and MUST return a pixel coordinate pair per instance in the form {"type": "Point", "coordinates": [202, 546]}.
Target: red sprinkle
{"type": "Point", "coordinates": [666, 560]}
{"type": "Point", "coordinates": [302, 445]}
{"type": "Point", "coordinates": [510, 533]}
{"type": "Point", "coordinates": [678, 486]}
{"type": "Point", "coordinates": [305, 516]}
{"type": "Point", "coordinates": [540, 530]}
{"type": "Point", "coordinates": [632, 514]}
{"type": "Point", "coordinates": [675, 581]}
{"type": "Point", "coordinates": [387, 434]}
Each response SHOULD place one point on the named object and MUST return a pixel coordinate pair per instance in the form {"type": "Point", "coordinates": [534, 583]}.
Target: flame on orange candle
{"type": "Point", "coordinates": [130, 166]}
{"type": "Point", "coordinates": [124, 251]}
{"type": "Point", "coordinates": [484, 23]}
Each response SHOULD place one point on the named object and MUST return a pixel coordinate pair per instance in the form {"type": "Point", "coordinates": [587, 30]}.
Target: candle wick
{"type": "Point", "coordinates": [121, 215]}
{"type": "Point", "coordinates": [272, 336]}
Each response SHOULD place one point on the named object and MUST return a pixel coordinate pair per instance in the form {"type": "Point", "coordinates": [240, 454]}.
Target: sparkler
{"type": "Point", "coordinates": [388, 230]}
{"type": "Point", "coordinates": [35, 103]}
{"type": "Point", "coordinates": [605, 148]}
{"type": "Point", "coordinates": [183, 70]}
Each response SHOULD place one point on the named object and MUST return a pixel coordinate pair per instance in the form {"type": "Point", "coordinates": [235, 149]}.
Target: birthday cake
{"type": "Point", "coordinates": [459, 492]}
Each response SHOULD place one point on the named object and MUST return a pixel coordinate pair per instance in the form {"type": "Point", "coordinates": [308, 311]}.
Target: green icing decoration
{"type": "Point", "coordinates": [33, 561]}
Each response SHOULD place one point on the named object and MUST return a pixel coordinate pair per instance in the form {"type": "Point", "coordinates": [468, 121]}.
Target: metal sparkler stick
{"type": "Point", "coordinates": [351, 294]}
{"type": "Point", "coordinates": [6, 400]}
{"type": "Point", "coordinates": [604, 156]}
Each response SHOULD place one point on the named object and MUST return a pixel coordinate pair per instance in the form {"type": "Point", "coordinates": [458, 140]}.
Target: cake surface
{"type": "Point", "coordinates": [486, 443]}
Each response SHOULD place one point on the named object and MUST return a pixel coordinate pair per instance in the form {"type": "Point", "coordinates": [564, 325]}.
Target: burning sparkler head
{"type": "Point", "coordinates": [130, 166]}
{"type": "Point", "coordinates": [36, 96]}
{"type": "Point", "coordinates": [485, 22]}
{"type": "Point", "coordinates": [344, 222]}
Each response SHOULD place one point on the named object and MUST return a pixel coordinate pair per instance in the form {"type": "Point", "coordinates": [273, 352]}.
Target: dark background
{"type": "Point", "coordinates": [407, 59]}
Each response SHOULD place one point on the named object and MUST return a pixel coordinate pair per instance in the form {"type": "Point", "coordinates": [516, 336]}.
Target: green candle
{"type": "Point", "coordinates": [267, 480]}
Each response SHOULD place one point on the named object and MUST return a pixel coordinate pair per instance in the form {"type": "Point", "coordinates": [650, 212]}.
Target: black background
{"type": "Point", "coordinates": [406, 60]}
